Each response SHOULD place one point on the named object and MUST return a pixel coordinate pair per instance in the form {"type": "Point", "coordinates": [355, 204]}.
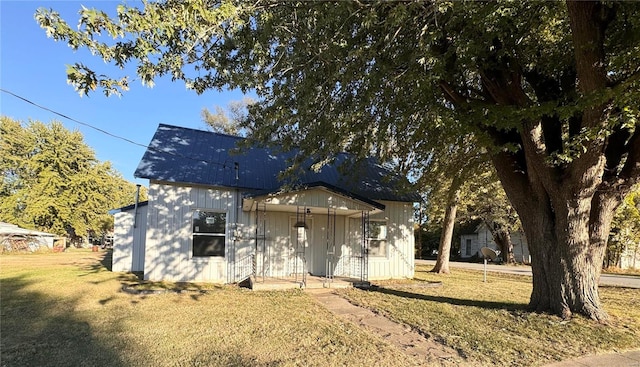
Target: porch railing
{"type": "Point", "coordinates": [245, 268]}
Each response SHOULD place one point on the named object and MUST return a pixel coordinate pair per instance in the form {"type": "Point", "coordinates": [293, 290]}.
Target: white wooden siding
{"type": "Point", "coordinates": [169, 236]}
{"type": "Point", "coordinates": [318, 198]}
{"type": "Point", "coordinates": [129, 242]}
{"type": "Point", "coordinates": [399, 260]}
{"type": "Point", "coordinates": [169, 233]}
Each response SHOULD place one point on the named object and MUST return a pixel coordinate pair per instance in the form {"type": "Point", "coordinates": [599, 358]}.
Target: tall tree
{"type": "Point", "coordinates": [444, 173]}
{"type": "Point", "coordinates": [52, 181]}
{"type": "Point", "coordinates": [228, 120]}
{"type": "Point", "coordinates": [489, 203]}
{"type": "Point", "coordinates": [549, 88]}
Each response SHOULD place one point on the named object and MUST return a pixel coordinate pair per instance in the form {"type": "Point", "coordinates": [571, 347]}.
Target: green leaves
{"type": "Point", "coordinates": [52, 181]}
{"type": "Point", "coordinates": [393, 79]}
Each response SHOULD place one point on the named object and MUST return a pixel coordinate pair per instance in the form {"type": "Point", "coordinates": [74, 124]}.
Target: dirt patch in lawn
{"type": "Point", "coordinates": [422, 347]}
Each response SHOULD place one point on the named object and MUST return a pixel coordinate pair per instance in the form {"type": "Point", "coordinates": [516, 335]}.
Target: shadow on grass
{"type": "Point", "coordinates": [107, 259]}
{"type": "Point", "coordinates": [453, 301]}
{"type": "Point", "coordinates": [38, 330]}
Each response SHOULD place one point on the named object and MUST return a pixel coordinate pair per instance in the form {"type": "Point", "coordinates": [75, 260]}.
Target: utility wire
{"type": "Point", "coordinates": [72, 119]}
{"type": "Point", "coordinates": [224, 165]}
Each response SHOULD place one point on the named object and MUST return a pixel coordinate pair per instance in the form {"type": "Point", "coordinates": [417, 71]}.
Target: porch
{"type": "Point", "coordinates": [309, 282]}
{"type": "Point", "coordinates": [306, 238]}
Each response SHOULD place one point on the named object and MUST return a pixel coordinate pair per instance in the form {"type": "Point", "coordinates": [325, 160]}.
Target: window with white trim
{"type": "Point", "coordinates": [377, 238]}
{"type": "Point", "coordinates": [209, 229]}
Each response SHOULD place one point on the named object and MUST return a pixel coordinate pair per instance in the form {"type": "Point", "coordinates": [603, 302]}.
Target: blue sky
{"type": "Point", "coordinates": [33, 66]}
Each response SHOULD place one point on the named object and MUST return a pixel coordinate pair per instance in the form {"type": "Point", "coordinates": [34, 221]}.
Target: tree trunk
{"type": "Point", "coordinates": [566, 264]}
{"type": "Point", "coordinates": [565, 208]}
{"type": "Point", "coordinates": [444, 248]}
{"type": "Point", "coordinates": [567, 232]}
{"type": "Point", "coordinates": [502, 238]}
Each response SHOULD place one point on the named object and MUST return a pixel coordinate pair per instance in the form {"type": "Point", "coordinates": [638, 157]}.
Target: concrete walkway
{"type": "Point", "coordinates": [423, 348]}
{"type": "Point", "coordinates": [627, 359]}
{"type": "Point", "coordinates": [428, 351]}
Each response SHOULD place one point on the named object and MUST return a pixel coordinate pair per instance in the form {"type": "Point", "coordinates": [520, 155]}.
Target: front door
{"type": "Point", "coordinates": [300, 247]}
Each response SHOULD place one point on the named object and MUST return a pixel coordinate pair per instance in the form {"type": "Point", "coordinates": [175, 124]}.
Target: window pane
{"type": "Point", "coordinates": [378, 230]}
{"type": "Point", "coordinates": [208, 245]}
{"type": "Point", "coordinates": [209, 222]}
{"type": "Point", "coordinates": [378, 248]}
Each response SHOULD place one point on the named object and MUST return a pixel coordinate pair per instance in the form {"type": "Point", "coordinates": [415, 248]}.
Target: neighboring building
{"type": "Point", "coordinates": [12, 236]}
{"type": "Point", "coordinates": [630, 258]}
{"type": "Point", "coordinates": [471, 243]}
{"type": "Point", "coordinates": [216, 214]}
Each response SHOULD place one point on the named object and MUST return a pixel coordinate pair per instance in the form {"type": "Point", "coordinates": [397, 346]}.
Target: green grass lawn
{"type": "Point", "coordinates": [488, 322]}
{"type": "Point", "coordinates": [67, 309]}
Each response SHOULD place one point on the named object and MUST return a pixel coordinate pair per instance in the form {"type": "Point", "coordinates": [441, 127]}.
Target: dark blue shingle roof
{"type": "Point", "coordinates": [183, 155]}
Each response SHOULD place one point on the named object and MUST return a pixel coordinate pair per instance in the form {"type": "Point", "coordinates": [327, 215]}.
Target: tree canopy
{"type": "Point", "coordinates": [227, 120]}
{"type": "Point", "coordinates": [550, 89]}
{"type": "Point", "coordinates": [52, 181]}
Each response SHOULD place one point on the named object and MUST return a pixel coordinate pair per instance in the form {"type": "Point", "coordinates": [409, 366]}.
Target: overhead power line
{"type": "Point", "coordinates": [225, 165]}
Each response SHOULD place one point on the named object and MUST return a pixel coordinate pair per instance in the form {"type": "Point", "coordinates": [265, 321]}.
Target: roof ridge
{"type": "Point", "coordinates": [203, 131]}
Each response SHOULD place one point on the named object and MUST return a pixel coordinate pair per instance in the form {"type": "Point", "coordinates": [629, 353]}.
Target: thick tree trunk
{"type": "Point", "coordinates": [444, 248]}
{"type": "Point", "coordinates": [566, 263]}
{"type": "Point", "coordinates": [566, 232]}
{"type": "Point", "coordinates": [565, 207]}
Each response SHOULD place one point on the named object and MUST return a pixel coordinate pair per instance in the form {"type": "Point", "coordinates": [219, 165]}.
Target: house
{"type": "Point", "coordinates": [218, 213]}
{"type": "Point", "coordinates": [14, 237]}
{"type": "Point", "coordinates": [629, 258]}
{"type": "Point", "coordinates": [471, 243]}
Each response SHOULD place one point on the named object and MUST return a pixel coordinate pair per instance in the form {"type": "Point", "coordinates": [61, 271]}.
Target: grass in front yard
{"type": "Point", "coordinates": [488, 322]}
{"type": "Point", "coordinates": [66, 309]}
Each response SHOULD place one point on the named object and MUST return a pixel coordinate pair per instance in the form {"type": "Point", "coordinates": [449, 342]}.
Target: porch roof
{"type": "Point", "coordinates": [318, 198]}
{"type": "Point", "coordinates": [320, 185]}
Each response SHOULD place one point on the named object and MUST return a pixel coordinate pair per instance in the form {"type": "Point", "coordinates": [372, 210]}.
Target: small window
{"type": "Point", "coordinates": [209, 230]}
{"type": "Point", "coordinates": [468, 247]}
{"type": "Point", "coordinates": [377, 238]}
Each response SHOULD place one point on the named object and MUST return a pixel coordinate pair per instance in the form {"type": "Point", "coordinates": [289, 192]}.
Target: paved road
{"type": "Point", "coordinates": [606, 279]}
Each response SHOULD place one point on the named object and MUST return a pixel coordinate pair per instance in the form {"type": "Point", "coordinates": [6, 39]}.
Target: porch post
{"type": "Point", "coordinates": [364, 260]}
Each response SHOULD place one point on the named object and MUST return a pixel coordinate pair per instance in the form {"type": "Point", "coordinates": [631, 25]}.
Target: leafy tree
{"type": "Point", "coordinates": [624, 239]}
{"type": "Point", "coordinates": [446, 172]}
{"type": "Point", "coordinates": [489, 203]}
{"type": "Point", "coordinates": [52, 181]}
{"type": "Point", "coordinates": [227, 121]}
{"type": "Point", "coordinates": [549, 88]}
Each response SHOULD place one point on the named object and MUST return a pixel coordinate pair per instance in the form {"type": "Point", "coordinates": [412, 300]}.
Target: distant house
{"type": "Point", "coordinates": [471, 243]}
{"type": "Point", "coordinates": [11, 236]}
{"type": "Point", "coordinates": [629, 258]}
{"type": "Point", "coordinates": [219, 214]}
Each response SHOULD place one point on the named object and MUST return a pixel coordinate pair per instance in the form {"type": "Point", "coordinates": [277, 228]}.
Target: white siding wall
{"type": "Point", "coordinates": [319, 198]}
{"type": "Point", "coordinates": [399, 261]}
{"type": "Point", "coordinates": [169, 238]}
{"type": "Point", "coordinates": [169, 234]}
{"type": "Point", "coordinates": [630, 258]}
{"type": "Point", "coordinates": [129, 242]}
